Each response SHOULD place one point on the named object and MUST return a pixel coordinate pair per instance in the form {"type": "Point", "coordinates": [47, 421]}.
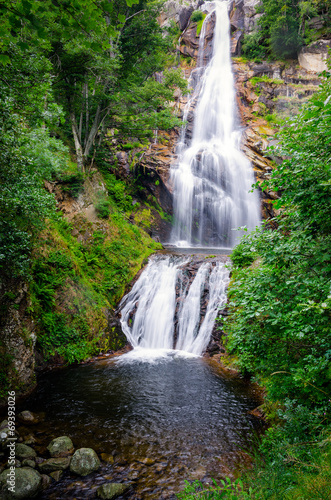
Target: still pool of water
{"type": "Point", "coordinates": [164, 422]}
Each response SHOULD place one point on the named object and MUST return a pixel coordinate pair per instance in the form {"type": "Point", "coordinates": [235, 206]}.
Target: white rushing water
{"type": "Point", "coordinates": [171, 310]}
{"type": "Point", "coordinates": [212, 179]}
{"type": "Point", "coordinates": [163, 311]}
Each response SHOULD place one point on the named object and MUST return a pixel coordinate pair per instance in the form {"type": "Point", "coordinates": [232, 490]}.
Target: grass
{"type": "Point", "coordinates": [80, 271]}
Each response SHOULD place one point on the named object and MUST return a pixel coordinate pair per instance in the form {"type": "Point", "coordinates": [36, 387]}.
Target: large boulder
{"type": "Point", "coordinates": [314, 56]}
{"type": "Point", "coordinates": [108, 491]}
{"type": "Point", "coordinates": [20, 484]}
{"type": "Point", "coordinates": [84, 461]}
{"type": "Point", "coordinates": [60, 447]}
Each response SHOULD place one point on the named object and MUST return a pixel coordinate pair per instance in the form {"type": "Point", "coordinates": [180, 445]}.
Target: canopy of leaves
{"type": "Point", "coordinates": [284, 27]}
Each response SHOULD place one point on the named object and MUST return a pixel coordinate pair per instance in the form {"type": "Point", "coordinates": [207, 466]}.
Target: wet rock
{"type": "Point", "coordinates": [28, 463]}
{"type": "Point", "coordinates": [28, 483]}
{"type": "Point", "coordinates": [23, 451]}
{"type": "Point", "coordinates": [45, 481]}
{"type": "Point", "coordinates": [146, 461]}
{"type": "Point", "coordinates": [84, 461]}
{"type": "Point", "coordinates": [4, 438]}
{"type": "Point", "coordinates": [56, 475]}
{"type": "Point", "coordinates": [28, 418]}
{"type": "Point", "coordinates": [109, 491]}
{"type": "Point", "coordinates": [236, 41]}
{"type": "Point", "coordinates": [106, 457]}
{"type": "Point", "coordinates": [60, 447]}
{"type": "Point", "coordinates": [29, 440]}
{"type": "Point", "coordinates": [184, 17]}
{"type": "Point", "coordinates": [53, 464]}
{"type": "Point", "coordinates": [4, 424]}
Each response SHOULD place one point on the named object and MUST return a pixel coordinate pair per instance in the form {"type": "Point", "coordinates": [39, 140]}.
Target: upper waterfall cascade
{"type": "Point", "coordinates": [212, 178]}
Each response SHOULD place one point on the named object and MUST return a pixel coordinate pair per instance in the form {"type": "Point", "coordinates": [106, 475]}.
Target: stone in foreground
{"type": "Point", "coordinates": [28, 483]}
{"type": "Point", "coordinates": [109, 491]}
{"type": "Point", "coordinates": [60, 447]}
{"type": "Point", "coordinates": [24, 452]}
{"type": "Point", "coordinates": [53, 464]}
{"type": "Point", "coordinates": [28, 418]}
{"type": "Point", "coordinates": [84, 461]}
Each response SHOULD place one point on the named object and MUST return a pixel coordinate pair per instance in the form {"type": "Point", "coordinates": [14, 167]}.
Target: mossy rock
{"type": "Point", "coordinates": [84, 461]}
{"type": "Point", "coordinates": [53, 464]}
{"type": "Point", "coordinates": [60, 447]}
{"type": "Point", "coordinates": [23, 451]}
{"type": "Point", "coordinates": [108, 491]}
{"type": "Point", "coordinates": [27, 484]}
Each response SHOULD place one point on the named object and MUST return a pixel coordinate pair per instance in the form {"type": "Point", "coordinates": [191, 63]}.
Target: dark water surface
{"type": "Point", "coordinates": [163, 422]}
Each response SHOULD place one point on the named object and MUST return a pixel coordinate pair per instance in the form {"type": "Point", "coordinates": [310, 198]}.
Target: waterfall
{"type": "Point", "coordinates": [212, 179]}
{"type": "Point", "coordinates": [174, 306]}
{"type": "Point", "coordinates": [170, 307]}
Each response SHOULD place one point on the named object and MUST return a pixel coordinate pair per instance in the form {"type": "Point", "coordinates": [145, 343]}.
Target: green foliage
{"type": "Point", "coordinates": [284, 28]}
{"type": "Point", "coordinates": [71, 183]}
{"type": "Point", "coordinates": [254, 46]}
{"type": "Point", "coordinates": [243, 254]}
{"type": "Point", "coordinates": [280, 310]}
{"type": "Point", "coordinates": [265, 79]}
{"type": "Point", "coordinates": [74, 281]}
{"type": "Point", "coordinates": [26, 158]}
{"type": "Point", "coordinates": [227, 490]}
{"type": "Point", "coordinates": [197, 16]}
{"type": "Point", "coordinates": [102, 208]}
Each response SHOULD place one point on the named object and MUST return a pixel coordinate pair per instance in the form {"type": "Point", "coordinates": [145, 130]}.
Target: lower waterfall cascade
{"type": "Point", "coordinates": [212, 196]}
{"type": "Point", "coordinates": [172, 307]}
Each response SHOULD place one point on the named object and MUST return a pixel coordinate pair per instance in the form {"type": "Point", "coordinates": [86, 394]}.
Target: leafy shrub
{"type": "Point", "coordinates": [102, 208]}
{"type": "Point", "coordinates": [244, 253]}
{"type": "Point", "coordinates": [227, 490]}
{"type": "Point", "coordinates": [72, 183]}
{"type": "Point", "coordinates": [197, 16]}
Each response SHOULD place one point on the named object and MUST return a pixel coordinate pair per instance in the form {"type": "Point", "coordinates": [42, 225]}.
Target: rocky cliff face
{"type": "Point", "coordinates": [17, 337]}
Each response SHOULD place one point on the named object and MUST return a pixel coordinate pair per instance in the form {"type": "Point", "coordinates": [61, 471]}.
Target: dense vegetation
{"type": "Point", "coordinates": [77, 82]}
{"type": "Point", "coordinates": [285, 26]}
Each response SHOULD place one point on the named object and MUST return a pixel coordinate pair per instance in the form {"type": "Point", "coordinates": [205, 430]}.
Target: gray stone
{"type": "Point", "coordinates": [28, 483]}
{"type": "Point", "coordinates": [28, 463]}
{"type": "Point", "coordinates": [56, 474]}
{"type": "Point", "coordinates": [28, 418]}
{"type": "Point", "coordinates": [60, 447]}
{"type": "Point", "coordinates": [53, 464]}
{"type": "Point", "coordinates": [5, 434]}
{"type": "Point", "coordinates": [23, 451]}
{"type": "Point", "coordinates": [84, 461]}
{"type": "Point", "coordinates": [184, 17]}
{"type": "Point", "coordinates": [112, 490]}
{"type": "Point", "coordinates": [314, 56]}
{"type": "Point", "coordinates": [45, 481]}
{"type": "Point", "coordinates": [3, 424]}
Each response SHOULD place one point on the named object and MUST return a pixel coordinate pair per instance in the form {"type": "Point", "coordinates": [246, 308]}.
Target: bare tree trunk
{"type": "Point", "coordinates": [93, 132]}
{"type": "Point", "coordinates": [81, 117]}
{"type": "Point", "coordinates": [78, 146]}
{"type": "Point", "coordinates": [87, 115]}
